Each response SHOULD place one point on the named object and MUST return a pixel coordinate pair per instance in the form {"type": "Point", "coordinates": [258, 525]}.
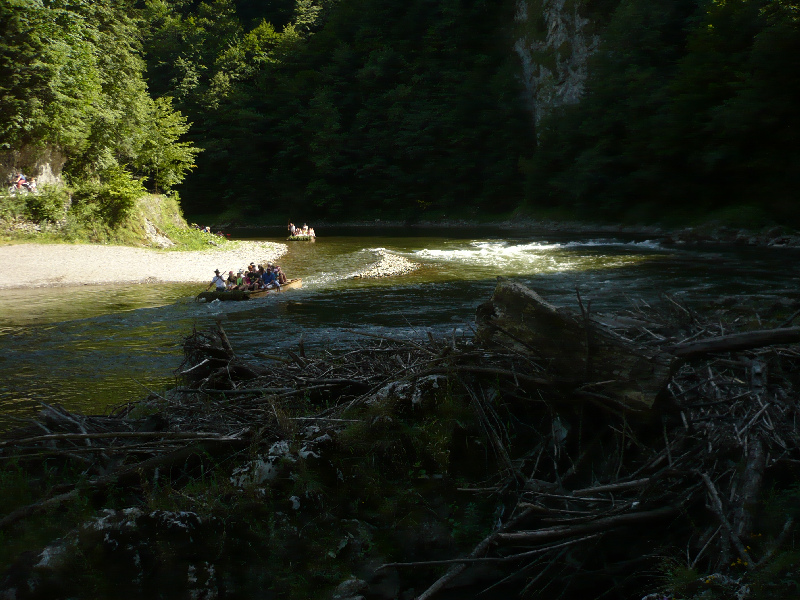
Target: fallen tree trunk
{"type": "Point", "coordinates": [571, 347]}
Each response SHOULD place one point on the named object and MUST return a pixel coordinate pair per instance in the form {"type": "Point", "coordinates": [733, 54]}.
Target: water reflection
{"type": "Point", "coordinates": [92, 347]}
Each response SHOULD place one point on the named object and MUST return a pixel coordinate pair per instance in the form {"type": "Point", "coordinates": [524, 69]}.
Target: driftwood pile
{"type": "Point", "coordinates": [619, 445]}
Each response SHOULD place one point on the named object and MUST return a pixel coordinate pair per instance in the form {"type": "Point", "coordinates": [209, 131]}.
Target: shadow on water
{"type": "Point", "coordinates": [93, 347]}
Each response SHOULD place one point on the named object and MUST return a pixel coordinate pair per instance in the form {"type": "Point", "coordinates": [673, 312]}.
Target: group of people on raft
{"type": "Point", "coordinates": [305, 230]}
{"type": "Point", "coordinates": [252, 279]}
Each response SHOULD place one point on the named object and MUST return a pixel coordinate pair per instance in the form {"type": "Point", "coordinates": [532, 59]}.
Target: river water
{"type": "Point", "coordinates": [91, 348]}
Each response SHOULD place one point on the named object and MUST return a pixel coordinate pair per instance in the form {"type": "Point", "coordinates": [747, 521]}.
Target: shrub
{"type": "Point", "coordinates": [49, 204]}
{"type": "Point", "coordinates": [112, 198]}
{"type": "Point", "coordinates": [12, 207]}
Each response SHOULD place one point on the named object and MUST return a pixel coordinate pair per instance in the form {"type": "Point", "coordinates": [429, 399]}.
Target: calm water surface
{"type": "Point", "coordinates": [91, 348]}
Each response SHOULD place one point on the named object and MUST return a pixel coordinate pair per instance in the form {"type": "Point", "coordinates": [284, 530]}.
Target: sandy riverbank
{"type": "Point", "coordinates": [48, 265]}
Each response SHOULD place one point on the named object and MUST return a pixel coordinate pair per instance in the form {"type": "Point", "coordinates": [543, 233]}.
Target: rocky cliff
{"type": "Point", "coordinates": [43, 164]}
{"type": "Point", "coordinates": [554, 44]}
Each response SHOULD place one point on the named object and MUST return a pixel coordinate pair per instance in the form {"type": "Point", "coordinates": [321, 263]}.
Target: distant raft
{"type": "Point", "coordinates": [239, 295]}
{"type": "Point", "coordinates": [301, 238]}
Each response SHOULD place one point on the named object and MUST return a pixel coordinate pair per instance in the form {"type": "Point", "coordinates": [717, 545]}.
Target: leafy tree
{"type": "Point", "coordinates": [161, 156]}
{"type": "Point", "coordinates": [358, 107]}
{"type": "Point", "coordinates": [688, 111]}
{"type": "Point", "coordinates": [72, 77]}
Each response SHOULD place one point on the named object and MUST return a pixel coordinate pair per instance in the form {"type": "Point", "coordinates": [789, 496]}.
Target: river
{"type": "Point", "coordinates": [91, 348]}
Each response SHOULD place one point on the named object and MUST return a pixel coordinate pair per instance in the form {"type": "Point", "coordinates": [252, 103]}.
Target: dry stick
{"type": "Point", "coordinates": [493, 371]}
{"type": "Point", "coordinates": [787, 528]}
{"type": "Point", "coordinates": [703, 549]}
{"type": "Point", "coordinates": [622, 445]}
{"type": "Point", "coordinates": [751, 487]}
{"type": "Point", "coordinates": [456, 569]}
{"type": "Point", "coordinates": [393, 377]}
{"type": "Point", "coordinates": [517, 339]}
{"type": "Point", "coordinates": [788, 321]}
{"type": "Point", "coordinates": [76, 453]}
{"type": "Point", "coordinates": [694, 336]}
{"type": "Point", "coordinates": [390, 339]}
{"type": "Point", "coordinates": [119, 434]}
{"type": "Point", "coordinates": [226, 344]}
{"type": "Point", "coordinates": [753, 420]}
{"type": "Point", "coordinates": [490, 559]}
{"type": "Point", "coordinates": [666, 443]}
{"type": "Point", "coordinates": [26, 511]}
{"type": "Point", "coordinates": [335, 381]}
{"type": "Point", "coordinates": [613, 487]}
{"type": "Point", "coordinates": [500, 450]}
{"type": "Point", "coordinates": [717, 507]}
{"type": "Point", "coordinates": [302, 363]}
{"type": "Point", "coordinates": [210, 391]}
{"type": "Point", "coordinates": [541, 535]}
{"type": "Point", "coordinates": [198, 365]}
{"type": "Point", "coordinates": [324, 419]}
{"type": "Point", "coordinates": [272, 357]}
{"type": "Point", "coordinates": [739, 341]}
{"type": "Point", "coordinates": [669, 298]}
{"type": "Point", "coordinates": [542, 573]}
{"type": "Point", "coordinates": [519, 572]}
{"type": "Point", "coordinates": [299, 392]}
{"type": "Point", "coordinates": [574, 498]}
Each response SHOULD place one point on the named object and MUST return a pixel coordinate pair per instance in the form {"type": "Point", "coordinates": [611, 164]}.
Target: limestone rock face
{"type": "Point", "coordinates": [43, 164]}
{"type": "Point", "coordinates": [554, 46]}
{"type": "Point", "coordinates": [573, 350]}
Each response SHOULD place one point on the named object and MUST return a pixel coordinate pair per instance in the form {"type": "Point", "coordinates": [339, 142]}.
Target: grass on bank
{"type": "Point", "coordinates": [94, 213]}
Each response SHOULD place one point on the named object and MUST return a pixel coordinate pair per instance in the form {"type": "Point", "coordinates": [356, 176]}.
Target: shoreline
{"type": "Point", "coordinates": [706, 233]}
{"type": "Point", "coordinates": [36, 265]}
{"type": "Point", "coordinates": [33, 265]}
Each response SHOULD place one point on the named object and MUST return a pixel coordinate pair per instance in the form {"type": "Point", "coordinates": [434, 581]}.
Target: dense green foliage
{"type": "Point", "coordinates": [689, 111]}
{"type": "Point", "coordinates": [72, 78]}
{"type": "Point", "coordinates": [356, 108]}
{"type": "Point", "coordinates": [353, 108]}
{"type": "Point", "coordinates": [403, 109]}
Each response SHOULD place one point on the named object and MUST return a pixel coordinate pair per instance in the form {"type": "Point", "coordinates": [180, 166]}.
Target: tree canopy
{"type": "Point", "coordinates": [72, 77]}
{"type": "Point", "coordinates": [352, 108]}
{"type": "Point", "coordinates": [688, 111]}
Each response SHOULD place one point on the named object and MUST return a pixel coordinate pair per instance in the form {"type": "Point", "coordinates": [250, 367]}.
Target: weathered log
{"type": "Point", "coordinates": [750, 486]}
{"type": "Point", "coordinates": [573, 348]}
{"type": "Point", "coordinates": [738, 341]}
{"type": "Point", "coordinates": [716, 506]}
{"type": "Point", "coordinates": [605, 524]}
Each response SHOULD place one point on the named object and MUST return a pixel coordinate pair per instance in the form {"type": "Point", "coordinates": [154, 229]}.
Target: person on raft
{"type": "Point", "coordinates": [218, 281]}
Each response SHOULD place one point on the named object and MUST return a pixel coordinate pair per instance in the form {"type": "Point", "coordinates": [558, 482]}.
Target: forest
{"type": "Point", "coordinates": [409, 109]}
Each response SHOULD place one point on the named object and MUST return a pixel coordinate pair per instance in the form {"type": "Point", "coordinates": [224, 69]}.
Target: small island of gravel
{"type": "Point", "coordinates": [387, 265]}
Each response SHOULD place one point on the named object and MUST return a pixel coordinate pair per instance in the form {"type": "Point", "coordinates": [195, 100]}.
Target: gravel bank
{"type": "Point", "coordinates": [48, 265]}
{"type": "Point", "coordinates": [387, 265]}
